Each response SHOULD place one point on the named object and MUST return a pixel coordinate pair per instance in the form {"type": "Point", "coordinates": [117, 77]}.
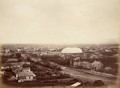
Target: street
{"type": "Point", "coordinates": [84, 77]}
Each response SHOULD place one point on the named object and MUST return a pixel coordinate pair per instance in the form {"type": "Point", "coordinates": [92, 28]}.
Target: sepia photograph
{"type": "Point", "coordinates": [60, 65]}
{"type": "Point", "coordinates": [59, 43]}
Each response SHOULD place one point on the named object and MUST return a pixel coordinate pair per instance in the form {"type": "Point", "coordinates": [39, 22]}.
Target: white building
{"type": "Point", "coordinates": [71, 50]}
{"type": "Point", "coordinates": [25, 75]}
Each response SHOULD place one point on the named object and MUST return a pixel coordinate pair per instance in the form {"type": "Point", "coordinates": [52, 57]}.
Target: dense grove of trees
{"type": "Point", "coordinates": [56, 59]}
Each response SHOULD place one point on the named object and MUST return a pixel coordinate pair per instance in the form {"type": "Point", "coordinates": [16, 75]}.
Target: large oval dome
{"type": "Point", "coordinates": [71, 50]}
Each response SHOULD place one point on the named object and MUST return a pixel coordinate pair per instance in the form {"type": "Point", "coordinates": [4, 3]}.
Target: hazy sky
{"type": "Point", "coordinates": [59, 21]}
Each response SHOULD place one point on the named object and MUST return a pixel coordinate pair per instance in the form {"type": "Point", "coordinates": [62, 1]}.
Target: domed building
{"type": "Point", "coordinates": [74, 54]}
{"type": "Point", "coordinates": [72, 50]}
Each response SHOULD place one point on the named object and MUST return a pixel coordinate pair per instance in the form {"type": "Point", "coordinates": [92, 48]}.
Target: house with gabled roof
{"type": "Point", "coordinates": [25, 75]}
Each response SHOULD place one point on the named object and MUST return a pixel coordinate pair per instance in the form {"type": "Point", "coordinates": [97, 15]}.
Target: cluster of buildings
{"type": "Point", "coordinates": [78, 61]}
{"type": "Point", "coordinates": [24, 65]}
{"type": "Point", "coordinates": [96, 65]}
{"type": "Point", "coordinates": [93, 58]}
{"type": "Point", "coordinates": [31, 63]}
{"type": "Point", "coordinates": [15, 70]}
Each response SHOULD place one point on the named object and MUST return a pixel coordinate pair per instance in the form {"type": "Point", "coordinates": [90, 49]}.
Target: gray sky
{"type": "Point", "coordinates": [59, 21]}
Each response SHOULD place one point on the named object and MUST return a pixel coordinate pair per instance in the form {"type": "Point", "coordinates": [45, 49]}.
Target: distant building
{"type": "Point", "coordinates": [12, 60]}
{"type": "Point", "coordinates": [7, 54]}
{"type": "Point", "coordinates": [97, 65]}
{"type": "Point", "coordinates": [24, 63]}
{"type": "Point", "coordinates": [27, 69]}
{"type": "Point", "coordinates": [77, 64]}
{"type": "Point", "coordinates": [7, 50]}
{"type": "Point", "coordinates": [71, 50]}
{"type": "Point", "coordinates": [81, 64]}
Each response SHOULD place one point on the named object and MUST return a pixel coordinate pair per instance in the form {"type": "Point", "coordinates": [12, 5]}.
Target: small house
{"type": "Point", "coordinates": [25, 75]}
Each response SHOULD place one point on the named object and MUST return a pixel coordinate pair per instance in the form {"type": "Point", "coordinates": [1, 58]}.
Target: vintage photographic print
{"type": "Point", "coordinates": [59, 43]}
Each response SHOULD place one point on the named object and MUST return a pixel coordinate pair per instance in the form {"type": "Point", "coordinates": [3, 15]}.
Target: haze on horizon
{"type": "Point", "coordinates": [59, 21]}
